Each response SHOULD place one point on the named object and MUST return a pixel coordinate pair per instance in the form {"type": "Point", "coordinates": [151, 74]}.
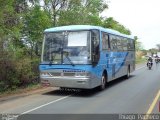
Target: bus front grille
{"type": "Point", "coordinates": [69, 74]}
{"type": "Point", "coordinates": [62, 74]}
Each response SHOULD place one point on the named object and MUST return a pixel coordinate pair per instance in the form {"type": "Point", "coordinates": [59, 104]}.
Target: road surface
{"type": "Point", "coordinates": [138, 94]}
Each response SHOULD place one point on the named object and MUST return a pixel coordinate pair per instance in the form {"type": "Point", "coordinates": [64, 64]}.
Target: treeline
{"type": "Point", "coordinates": [22, 23]}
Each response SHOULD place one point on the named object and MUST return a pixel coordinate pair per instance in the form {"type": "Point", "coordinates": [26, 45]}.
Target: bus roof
{"type": "Point", "coordinates": [86, 27]}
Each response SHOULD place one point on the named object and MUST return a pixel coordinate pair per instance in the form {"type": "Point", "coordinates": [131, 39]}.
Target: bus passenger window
{"type": "Point", "coordinates": [125, 44]}
{"type": "Point", "coordinates": [113, 42]}
{"type": "Point", "coordinates": [119, 44]}
{"type": "Point", "coordinates": [130, 44]}
{"type": "Point", "coordinates": [105, 44]}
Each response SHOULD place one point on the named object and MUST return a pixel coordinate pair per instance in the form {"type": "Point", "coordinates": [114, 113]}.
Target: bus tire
{"type": "Point", "coordinates": [103, 82]}
{"type": "Point", "coordinates": [128, 73]}
{"type": "Point", "coordinates": [63, 88]}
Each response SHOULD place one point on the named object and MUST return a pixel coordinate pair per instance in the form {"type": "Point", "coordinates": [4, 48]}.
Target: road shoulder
{"type": "Point", "coordinates": [8, 97]}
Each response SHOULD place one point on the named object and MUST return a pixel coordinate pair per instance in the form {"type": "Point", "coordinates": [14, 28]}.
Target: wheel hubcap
{"type": "Point", "coordinates": [103, 82]}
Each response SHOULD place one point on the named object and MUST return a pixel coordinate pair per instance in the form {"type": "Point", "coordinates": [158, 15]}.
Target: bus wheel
{"type": "Point", "coordinates": [103, 82]}
{"type": "Point", "coordinates": [63, 88]}
{"type": "Point", "coordinates": [128, 73]}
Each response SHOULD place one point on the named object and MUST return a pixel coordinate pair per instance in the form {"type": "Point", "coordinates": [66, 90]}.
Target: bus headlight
{"type": "Point", "coordinates": [81, 74]}
{"type": "Point", "coordinates": [45, 74]}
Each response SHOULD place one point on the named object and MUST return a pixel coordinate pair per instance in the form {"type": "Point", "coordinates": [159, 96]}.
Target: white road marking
{"type": "Point", "coordinates": [140, 68]}
{"type": "Point", "coordinates": [45, 105]}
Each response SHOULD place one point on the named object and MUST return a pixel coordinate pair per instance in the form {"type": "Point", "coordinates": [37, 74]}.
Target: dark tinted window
{"type": "Point", "coordinates": [105, 43]}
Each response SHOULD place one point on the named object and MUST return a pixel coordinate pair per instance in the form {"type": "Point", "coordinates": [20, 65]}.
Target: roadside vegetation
{"type": "Point", "coordinates": [21, 33]}
{"type": "Point", "coordinates": [141, 60]}
{"type": "Point", "coordinates": [21, 90]}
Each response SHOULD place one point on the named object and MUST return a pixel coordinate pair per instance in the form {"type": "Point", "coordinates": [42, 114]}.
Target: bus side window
{"type": "Point", "coordinates": [125, 44]}
{"type": "Point", "coordinates": [119, 44]}
{"type": "Point", "coordinates": [130, 44]}
{"type": "Point", "coordinates": [113, 42]}
{"type": "Point", "coordinates": [105, 41]}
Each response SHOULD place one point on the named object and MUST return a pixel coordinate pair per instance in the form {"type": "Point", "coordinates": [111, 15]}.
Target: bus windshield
{"type": "Point", "coordinates": [67, 47]}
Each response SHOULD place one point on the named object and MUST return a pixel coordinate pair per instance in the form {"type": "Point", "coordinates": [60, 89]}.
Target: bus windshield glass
{"type": "Point", "coordinates": [67, 47]}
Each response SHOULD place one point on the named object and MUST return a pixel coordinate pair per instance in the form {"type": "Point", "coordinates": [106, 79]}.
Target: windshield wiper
{"type": "Point", "coordinates": [70, 60]}
{"type": "Point", "coordinates": [52, 58]}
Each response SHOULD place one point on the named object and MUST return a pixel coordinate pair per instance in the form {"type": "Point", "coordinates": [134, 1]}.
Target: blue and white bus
{"type": "Point", "coordinates": [85, 56]}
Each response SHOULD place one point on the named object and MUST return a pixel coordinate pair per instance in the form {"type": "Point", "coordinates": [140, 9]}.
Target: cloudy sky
{"type": "Point", "coordinates": [141, 17]}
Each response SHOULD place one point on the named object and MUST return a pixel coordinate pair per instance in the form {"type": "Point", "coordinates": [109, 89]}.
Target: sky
{"type": "Point", "coordinates": [141, 17]}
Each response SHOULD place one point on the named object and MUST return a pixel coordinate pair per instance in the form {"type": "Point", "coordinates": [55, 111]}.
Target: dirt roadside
{"type": "Point", "coordinates": [24, 93]}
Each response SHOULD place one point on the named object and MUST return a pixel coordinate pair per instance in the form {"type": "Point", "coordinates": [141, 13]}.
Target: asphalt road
{"type": "Point", "coordinates": [138, 94]}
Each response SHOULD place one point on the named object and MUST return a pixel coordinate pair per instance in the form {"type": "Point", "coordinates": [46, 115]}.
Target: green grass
{"type": "Point", "coordinates": [140, 60]}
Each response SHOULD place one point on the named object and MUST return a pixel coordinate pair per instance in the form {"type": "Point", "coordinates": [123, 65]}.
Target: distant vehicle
{"type": "Point", "coordinates": [149, 65]}
{"type": "Point", "coordinates": [85, 57]}
{"type": "Point", "coordinates": [158, 54]}
{"type": "Point", "coordinates": [154, 55]}
{"type": "Point", "coordinates": [157, 59]}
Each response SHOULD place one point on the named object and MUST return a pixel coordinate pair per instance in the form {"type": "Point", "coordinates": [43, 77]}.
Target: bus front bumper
{"type": "Point", "coordinates": [68, 82]}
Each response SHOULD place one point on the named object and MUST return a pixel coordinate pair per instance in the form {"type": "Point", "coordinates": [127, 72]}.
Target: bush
{"type": "Point", "coordinates": [18, 73]}
{"type": "Point", "coordinates": [8, 78]}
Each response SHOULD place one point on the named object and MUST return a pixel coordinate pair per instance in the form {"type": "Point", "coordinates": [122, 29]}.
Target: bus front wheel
{"type": "Point", "coordinates": [103, 82]}
{"type": "Point", "coordinates": [128, 73]}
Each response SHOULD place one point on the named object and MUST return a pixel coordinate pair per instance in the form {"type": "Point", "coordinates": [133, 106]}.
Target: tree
{"type": "Point", "coordinates": [10, 23]}
{"type": "Point", "coordinates": [82, 12]}
{"type": "Point", "coordinates": [21, 32]}
{"type": "Point", "coordinates": [53, 7]}
{"type": "Point", "coordinates": [113, 24]}
{"type": "Point", "coordinates": [138, 44]}
{"type": "Point", "coordinates": [158, 46]}
{"type": "Point", "coordinates": [35, 21]}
